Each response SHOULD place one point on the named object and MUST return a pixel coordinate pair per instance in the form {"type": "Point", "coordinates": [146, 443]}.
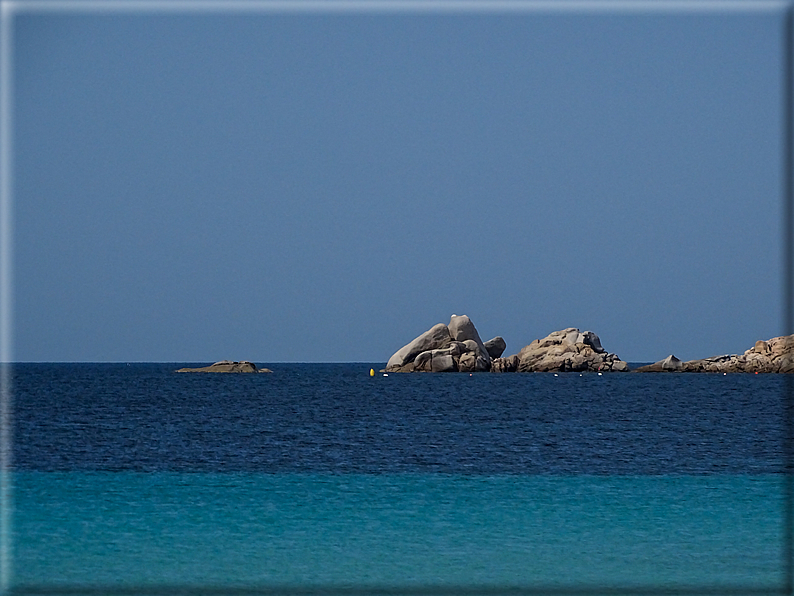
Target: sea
{"type": "Point", "coordinates": [325, 479]}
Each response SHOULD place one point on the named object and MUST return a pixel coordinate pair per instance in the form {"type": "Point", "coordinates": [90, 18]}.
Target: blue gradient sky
{"type": "Point", "coordinates": [325, 187]}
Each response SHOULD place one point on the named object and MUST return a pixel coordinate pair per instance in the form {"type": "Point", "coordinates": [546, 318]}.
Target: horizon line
{"type": "Point", "coordinates": [558, 7]}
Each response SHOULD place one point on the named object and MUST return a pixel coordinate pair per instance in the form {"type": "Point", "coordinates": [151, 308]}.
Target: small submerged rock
{"type": "Point", "coordinates": [228, 366]}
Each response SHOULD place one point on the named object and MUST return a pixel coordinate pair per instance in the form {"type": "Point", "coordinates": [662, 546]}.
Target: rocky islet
{"type": "Point", "coordinates": [774, 355]}
{"type": "Point", "coordinates": [457, 347]}
{"type": "Point", "coordinates": [228, 366]}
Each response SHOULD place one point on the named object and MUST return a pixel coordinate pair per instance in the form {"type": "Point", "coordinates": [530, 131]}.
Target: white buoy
{"type": "Point", "coordinates": [385, 375]}
{"type": "Point", "coordinates": [599, 374]}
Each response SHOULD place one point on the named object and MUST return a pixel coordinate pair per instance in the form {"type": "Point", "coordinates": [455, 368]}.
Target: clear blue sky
{"type": "Point", "coordinates": [325, 187]}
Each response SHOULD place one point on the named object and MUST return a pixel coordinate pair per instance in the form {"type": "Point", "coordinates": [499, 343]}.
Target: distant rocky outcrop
{"type": "Point", "coordinates": [569, 350]}
{"type": "Point", "coordinates": [774, 355]}
{"type": "Point", "coordinates": [669, 364]}
{"type": "Point", "coordinates": [457, 347]}
{"type": "Point", "coordinates": [228, 366]}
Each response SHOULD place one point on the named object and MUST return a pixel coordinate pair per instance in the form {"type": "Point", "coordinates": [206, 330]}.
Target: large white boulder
{"type": "Point", "coordinates": [432, 339]}
{"type": "Point", "coordinates": [461, 329]}
{"type": "Point", "coordinates": [495, 347]}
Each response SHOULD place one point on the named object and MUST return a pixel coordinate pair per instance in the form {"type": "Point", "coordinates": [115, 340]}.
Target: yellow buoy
{"type": "Point", "coordinates": [371, 372]}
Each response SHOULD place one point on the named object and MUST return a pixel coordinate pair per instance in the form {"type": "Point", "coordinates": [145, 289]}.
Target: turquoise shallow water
{"type": "Point", "coordinates": [319, 478]}
{"type": "Point", "coordinates": [266, 530]}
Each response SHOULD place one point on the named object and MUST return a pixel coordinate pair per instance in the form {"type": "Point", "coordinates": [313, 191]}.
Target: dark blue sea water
{"type": "Point", "coordinates": [320, 477]}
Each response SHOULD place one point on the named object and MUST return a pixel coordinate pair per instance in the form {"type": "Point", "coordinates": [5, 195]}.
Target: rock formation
{"type": "Point", "coordinates": [228, 366]}
{"type": "Point", "coordinates": [775, 355]}
{"type": "Point", "coordinates": [495, 347]}
{"type": "Point", "coordinates": [436, 337]}
{"type": "Point", "coordinates": [509, 364]}
{"type": "Point", "coordinates": [568, 350]}
{"type": "Point", "coordinates": [669, 364]}
{"type": "Point", "coordinates": [457, 347]}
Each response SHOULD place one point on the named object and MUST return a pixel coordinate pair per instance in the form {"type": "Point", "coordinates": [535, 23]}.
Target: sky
{"type": "Point", "coordinates": [325, 186]}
